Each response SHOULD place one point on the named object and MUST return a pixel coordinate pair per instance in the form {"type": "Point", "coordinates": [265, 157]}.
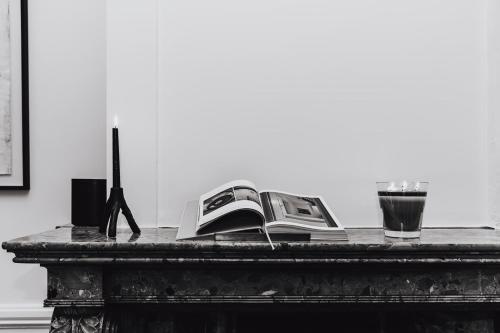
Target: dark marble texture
{"type": "Point", "coordinates": [153, 238]}
{"type": "Point", "coordinates": [303, 285]}
{"type": "Point", "coordinates": [131, 283]}
{"type": "Point", "coordinates": [86, 245]}
{"type": "Point", "coordinates": [75, 285]}
{"type": "Point", "coordinates": [158, 320]}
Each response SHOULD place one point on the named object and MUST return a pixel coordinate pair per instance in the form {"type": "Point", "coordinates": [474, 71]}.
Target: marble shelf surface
{"type": "Point", "coordinates": [85, 269]}
{"type": "Point", "coordinates": [475, 245]}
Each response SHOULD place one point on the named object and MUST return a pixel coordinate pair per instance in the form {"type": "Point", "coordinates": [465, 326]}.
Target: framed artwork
{"type": "Point", "coordinates": [14, 98]}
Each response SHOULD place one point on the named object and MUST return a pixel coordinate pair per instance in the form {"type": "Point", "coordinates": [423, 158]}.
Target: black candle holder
{"type": "Point", "coordinates": [115, 203]}
{"type": "Point", "coordinates": [116, 200]}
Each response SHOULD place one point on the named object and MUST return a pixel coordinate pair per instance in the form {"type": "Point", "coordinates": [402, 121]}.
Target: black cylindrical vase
{"type": "Point", "coordinates": [88, 199]}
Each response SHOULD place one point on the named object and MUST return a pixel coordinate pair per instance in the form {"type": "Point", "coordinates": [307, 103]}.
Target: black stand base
{"type": "Point", "coordinates": [115, 203]}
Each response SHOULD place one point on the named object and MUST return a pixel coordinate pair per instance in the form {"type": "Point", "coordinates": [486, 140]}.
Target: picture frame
{"type": "Point", "coordinates": [18, 175]}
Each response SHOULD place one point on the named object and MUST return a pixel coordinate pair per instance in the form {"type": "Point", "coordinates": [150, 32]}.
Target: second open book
{"type": "Point", "coordinates": [237, 206]}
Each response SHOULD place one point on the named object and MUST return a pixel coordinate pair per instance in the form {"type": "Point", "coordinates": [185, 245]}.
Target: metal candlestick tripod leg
{"type": "Point", "coordinates": [116, 202]}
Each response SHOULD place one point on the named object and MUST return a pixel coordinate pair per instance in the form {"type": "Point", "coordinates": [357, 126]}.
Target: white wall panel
{"type": "Point", "coordinates": [132, 97]}
{"type": "Point", "coordinates": [493, 100]}
{"type": "Point", "coordinates": [67, 60]}
{"type": "Point", "coordinates": [325, 97]}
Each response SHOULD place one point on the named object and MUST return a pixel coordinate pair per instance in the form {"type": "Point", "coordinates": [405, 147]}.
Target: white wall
{"type": "Point", "coordinates": [263, 81]}
{"type": "Point", "coordinates": [493, 92]}
{"type": "Point", "coordinates": [67, 111]}
{"type": "Point", "coordinates": [325, 97]}
{"type": "Point", "coordinates": [132, 97]}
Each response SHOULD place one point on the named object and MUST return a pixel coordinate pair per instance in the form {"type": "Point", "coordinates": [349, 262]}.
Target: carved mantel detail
{"type": "Point", "coordinates": [73, 320]}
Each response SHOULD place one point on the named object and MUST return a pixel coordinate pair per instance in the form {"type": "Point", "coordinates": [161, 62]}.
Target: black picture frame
{"type": "Point", "coordinates": [25, 186]}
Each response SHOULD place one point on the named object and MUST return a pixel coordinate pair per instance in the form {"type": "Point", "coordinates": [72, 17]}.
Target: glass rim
{"type": "Point", "coordinates": [408, 181]}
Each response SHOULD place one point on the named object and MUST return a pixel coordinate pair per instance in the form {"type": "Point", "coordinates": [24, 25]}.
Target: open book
{"type": "Point", "coordinates": [238, 207]}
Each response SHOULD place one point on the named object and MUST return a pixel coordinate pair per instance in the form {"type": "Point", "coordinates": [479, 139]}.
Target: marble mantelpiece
{"type": "Point", "coordinates": [158, 245]}
{"type": "Point", "coordinates": [90, 275]}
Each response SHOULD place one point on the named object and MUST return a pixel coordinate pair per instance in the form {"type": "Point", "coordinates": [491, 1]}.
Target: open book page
{"type": "Point", "coordinates": [230, 198]}
{"type": "Point", "coordinates": [297, 211]}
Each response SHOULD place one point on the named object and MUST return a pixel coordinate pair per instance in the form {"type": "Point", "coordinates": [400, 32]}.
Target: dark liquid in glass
{"type": "Point", "coordinates": [403, 210]}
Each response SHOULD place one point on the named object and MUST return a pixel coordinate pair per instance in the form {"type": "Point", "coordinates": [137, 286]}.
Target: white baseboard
{"type": "Point", "coordinates": [24, 317]}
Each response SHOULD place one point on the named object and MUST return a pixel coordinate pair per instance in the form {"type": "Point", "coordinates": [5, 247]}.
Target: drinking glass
{"type": "Point", "coordinates": [402, 205]}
